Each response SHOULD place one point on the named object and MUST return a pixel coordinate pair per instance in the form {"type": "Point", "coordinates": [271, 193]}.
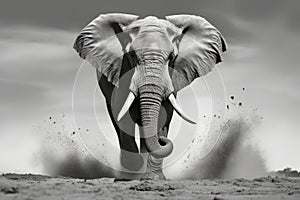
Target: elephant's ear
{"type": "Point", "coordinates": [102, 43]}
{"type": "Point", "coordinates": [199, 49]}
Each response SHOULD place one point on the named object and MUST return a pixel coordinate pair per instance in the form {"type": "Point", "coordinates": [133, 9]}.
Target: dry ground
{"type": "Point", "coordinates": [27, 186]}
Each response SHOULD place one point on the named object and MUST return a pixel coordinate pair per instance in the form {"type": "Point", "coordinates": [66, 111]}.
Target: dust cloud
{"type": "Point", "coordinates": [233, 155]}
{"type": "Point", "coordinates": [62, 154]}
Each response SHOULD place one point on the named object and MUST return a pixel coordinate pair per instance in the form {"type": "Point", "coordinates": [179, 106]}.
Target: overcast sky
{"type": "Point", "coordinates": [38, 65]}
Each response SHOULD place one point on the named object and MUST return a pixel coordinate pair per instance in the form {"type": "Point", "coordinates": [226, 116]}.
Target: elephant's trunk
{"type": "Point", "coordinates": [150, 100]}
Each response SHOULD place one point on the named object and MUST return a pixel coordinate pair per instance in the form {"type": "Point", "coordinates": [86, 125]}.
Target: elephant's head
{"type": "Point", "coordinates": [170, 54]}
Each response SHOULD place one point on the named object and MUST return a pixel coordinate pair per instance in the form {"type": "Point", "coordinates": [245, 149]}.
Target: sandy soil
{"type": "Point", "coordinates": [27, 186]}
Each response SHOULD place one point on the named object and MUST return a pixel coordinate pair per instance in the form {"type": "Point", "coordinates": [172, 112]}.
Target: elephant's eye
{"type": "Point", "coordinates": [135, 29]}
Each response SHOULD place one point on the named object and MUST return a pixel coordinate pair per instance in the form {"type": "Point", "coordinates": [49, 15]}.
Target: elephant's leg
{"type": "Point", "coordinates": [129, 155]}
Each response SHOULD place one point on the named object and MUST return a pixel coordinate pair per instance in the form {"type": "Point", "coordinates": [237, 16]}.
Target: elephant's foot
{"type": "Point", "coordinates": [131, 161]}
{"type": "Point", "coordinates": [126, 176]}
{"type": "Point", "coordinates": [153, 176]}
{"type": "Point", "coordinates": [154, 169]}
{"type": "Point", "coordinates": [131, 165]}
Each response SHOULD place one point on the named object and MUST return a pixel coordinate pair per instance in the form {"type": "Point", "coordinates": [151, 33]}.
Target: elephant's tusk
{"type": "Point", "coordinates": [126, 105]}
{"type": "Point", "coordinates": [179, 110]}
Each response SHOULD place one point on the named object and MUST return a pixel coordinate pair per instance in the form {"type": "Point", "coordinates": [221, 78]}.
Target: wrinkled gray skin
{"type": "Point", "coordinates": [153, 59]}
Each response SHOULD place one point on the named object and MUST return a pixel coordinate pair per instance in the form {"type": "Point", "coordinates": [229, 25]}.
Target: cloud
{"type": "Point", "coordinates": [37, 71]}
{"type": "Point", "coordinates": [37, 55]}
{"type": "Point", "coordinates": [258, 10]}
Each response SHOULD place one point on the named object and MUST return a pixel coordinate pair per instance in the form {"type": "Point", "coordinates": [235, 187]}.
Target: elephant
{"type": "Point", "coordinates": [141, 64]}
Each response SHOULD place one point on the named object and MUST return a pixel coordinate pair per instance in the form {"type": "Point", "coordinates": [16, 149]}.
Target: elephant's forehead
{"type": "Point", "coordinates": [153, 21]}
{"type": "Point", "coordinates": [151, 18]}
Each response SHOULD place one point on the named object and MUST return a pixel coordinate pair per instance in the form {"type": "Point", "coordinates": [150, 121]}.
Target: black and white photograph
{"type": "Point", "coordinates": [149, 99]}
